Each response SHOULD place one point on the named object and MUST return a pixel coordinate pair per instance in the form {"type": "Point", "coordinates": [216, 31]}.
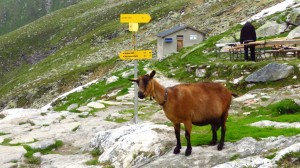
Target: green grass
{"type": "Point", "coordinates": [2, 133]}
{"type": "Point", "coordinates": [34, 160]}
{"type": "Point", "coordinates": [92, 162]}
{"type": "Point", "coordinates": [234, 157]}
{"type": "Point", "coordinates": [95, 154]}
{"type": "Point", "coordinates": [238, 126]}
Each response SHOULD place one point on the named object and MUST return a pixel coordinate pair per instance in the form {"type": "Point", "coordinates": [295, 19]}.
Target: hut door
{"type": "Point", "coordinates": [179, 42]}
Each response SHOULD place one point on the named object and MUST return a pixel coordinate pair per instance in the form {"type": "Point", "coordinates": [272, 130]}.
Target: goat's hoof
{"type": "Point", "coordinates": [188, 152]}
{"type": "Point", "coordinates": [220, 146]}
{"type": "Point", "coordinates": [213, 143]}
{"type": "Point", "coordinates": [176, 150]}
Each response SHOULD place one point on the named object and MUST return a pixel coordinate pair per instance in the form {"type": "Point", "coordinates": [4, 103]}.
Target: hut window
{"type": "Point", "coordinates": [193, 37]}
{"type": "Point", "coordinates": [179, 37]}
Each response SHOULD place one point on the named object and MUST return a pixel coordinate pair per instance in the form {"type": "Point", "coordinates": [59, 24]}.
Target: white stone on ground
{"type": "Point", "coordinates": [267, 123]}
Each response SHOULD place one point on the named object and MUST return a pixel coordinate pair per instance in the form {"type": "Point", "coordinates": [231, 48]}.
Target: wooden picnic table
{"type": "Point", "coordinates": [275, 48]}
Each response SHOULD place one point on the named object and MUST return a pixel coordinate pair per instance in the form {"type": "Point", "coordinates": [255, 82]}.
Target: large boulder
{"type": "Point", "coordinates": [134, 144]}
{"type": "Point", "coordinates": [270, 72]}
{"type": "Point", "coordinates": [271, 28]}
{"type": "Point", "coordinates": [295, 33]}
{"type": "Point", "coordinates": [250, 152]}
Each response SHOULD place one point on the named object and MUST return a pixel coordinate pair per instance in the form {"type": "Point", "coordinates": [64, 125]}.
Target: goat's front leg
{"type": "Point", "coordinates": [188, 130]}
{"type": "Point", "coordinates": [177, 134]}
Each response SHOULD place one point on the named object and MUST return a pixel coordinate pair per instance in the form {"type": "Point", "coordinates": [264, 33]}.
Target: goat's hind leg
{"type": "Point", "coordinates": [177, 134]}
{"type": "Point", "coordinates": [223, 131]}
{"type": "Point", "coordinates": [188, 130]}
{"type": "Point", "coordinates": [214, 129]}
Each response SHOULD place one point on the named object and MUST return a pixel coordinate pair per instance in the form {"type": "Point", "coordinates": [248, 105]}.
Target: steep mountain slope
{"type": "Point", "coordinates": [15, 13]}
{"type": "Point", "coordinates": [72, 46]}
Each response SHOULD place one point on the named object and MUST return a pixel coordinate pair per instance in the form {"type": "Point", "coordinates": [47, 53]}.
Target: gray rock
{"type": "Point", "coordinates": [126, 74]}
{"type": "Point", "coordinates": [84, 109]}
{"type": "Point", "coordinates": [96, 105]}
{"type": "Point", "coordinates": [270, 72]}
{"type": "Point", "coordinates": [72, 106]}
{"type": "Point", "coordinates": [200, 73]}
{"type": "Point", "coordinates": [269, 29]}
{"type": "Point", "coordinates": [295, 33]}
{"type": "Point", "coordinates": [37, 154]}
{"type": "Point", "coordinates": [267, 123]}
{"type": "Point", "coordinates": [121, 146]}
{"type": "Point", "coordinates": [42, 144]}
{"type": "Point", "coordinates": [111, 79]}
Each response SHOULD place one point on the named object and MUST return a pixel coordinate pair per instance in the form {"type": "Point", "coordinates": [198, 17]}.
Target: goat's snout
{"type": "Point", "coordinates": [141, 95]}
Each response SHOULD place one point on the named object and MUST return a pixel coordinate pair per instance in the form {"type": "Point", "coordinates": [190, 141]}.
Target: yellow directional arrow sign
{"type": "Point", "coordinates": [135, 18]}
{"type": "Point", "coordinates": [136, 54]}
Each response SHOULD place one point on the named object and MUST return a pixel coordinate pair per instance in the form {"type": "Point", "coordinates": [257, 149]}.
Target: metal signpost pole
{"type": "Point", "coordinates": [134, 20]}
{"type": "Point", "coordinates": [135, 85]}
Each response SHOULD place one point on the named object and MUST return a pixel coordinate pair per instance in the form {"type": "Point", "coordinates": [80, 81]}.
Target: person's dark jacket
{"type": "Point", "coordinates": [247, 33]}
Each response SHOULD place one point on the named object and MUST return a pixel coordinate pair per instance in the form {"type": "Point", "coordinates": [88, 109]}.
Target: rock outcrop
{"type": "Point", "coordinates": [271, 72]}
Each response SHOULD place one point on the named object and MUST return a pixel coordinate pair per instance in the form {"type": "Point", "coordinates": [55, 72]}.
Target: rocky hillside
{"type": "Point", "coordinates": [66, 100]}
{"type": "Point", "coordinates": [15, 14]}
{"type": "Point", "coordinates": [72, 46]}
{"type": "Point", "coordinates": [260, 133]}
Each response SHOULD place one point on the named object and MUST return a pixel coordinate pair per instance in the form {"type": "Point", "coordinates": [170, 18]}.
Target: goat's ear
{"type": "Point", "coordinates": [133, 80]}
{"type": "Point", "coordinates": [152, 74]}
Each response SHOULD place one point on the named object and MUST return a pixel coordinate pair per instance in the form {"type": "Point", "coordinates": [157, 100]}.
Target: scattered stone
{"type": "Point", "coordinates": [267, 123]}
{"type": "Point", "coordinates": [220, 81]}
{"type": "Point", "coordinates": [21, 139]}
{"type": "Point", "coordinates": [84, 109]}
{"type": "Point", "coordinates": [244, 97]}
{"type": "Point", "coordinates": [126, 74]}
{"type": "Point", "coordinates": [42, 144]}
{"type": "Point", "coordinates": [238, 80]}
{"type": "Point", "coordinates": [111, 80]}
{"type": "Point", "coordinates": [72, 106]}
{"type": "Point", "coordinates": [96, 105]}
{"type": "Point", "coordinates": [115, 103]}
{"type": "Point", "coordinates": [200, 73]}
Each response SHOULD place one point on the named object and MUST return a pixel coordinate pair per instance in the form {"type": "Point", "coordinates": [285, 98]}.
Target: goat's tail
{"type": "Point", "coordinates": [234, 95]}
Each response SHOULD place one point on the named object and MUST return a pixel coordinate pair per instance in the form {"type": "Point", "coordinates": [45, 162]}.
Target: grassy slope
{"type": "Point", "coordinates": [15, 14]}
{"type": "Point", "coordinates": [73, 35]}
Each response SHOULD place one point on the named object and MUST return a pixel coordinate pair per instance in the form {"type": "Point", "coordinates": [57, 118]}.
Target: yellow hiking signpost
{"type": "Point", "coordinates": [136, 54]}
{"type": "Point", "coordinates": [133, 20]}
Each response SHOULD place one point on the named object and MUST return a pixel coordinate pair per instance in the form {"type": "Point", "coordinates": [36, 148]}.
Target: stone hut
{"type": "Point", "coordinates": [174, 39]}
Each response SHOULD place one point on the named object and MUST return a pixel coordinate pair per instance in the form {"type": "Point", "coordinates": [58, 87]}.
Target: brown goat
{"type": "Point", "coordinates": [199, 104]}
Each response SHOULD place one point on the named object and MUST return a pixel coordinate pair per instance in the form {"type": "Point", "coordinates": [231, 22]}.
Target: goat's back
{"type": "Point", "coordinates": [200, 102]}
